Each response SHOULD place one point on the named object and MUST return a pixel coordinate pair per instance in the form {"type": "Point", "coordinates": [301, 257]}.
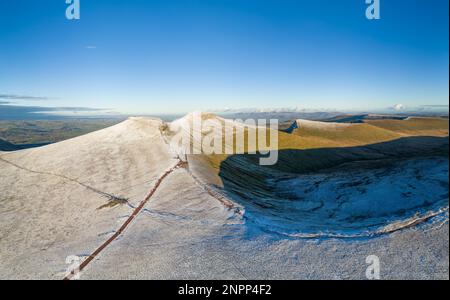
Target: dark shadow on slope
{"type": "Point", "coordinates": [350, 190]}
{"type": "Point", "coordinates": [7, 146]}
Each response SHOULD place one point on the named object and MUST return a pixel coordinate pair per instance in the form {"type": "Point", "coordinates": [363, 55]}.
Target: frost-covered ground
{"type": "Point", "coordinates": [352, 201]}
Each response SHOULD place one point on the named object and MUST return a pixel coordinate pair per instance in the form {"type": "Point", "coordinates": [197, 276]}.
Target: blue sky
{"type": "Point", "coordinates": [175, 56]}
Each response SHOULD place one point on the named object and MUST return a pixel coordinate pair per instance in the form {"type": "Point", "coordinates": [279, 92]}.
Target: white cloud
{"type": "Point", "coordinates": [269, 110]}
{"type": "Point", "coordinates": [398, 107]}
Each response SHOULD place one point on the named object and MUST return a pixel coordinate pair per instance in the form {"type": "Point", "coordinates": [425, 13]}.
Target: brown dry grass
{"type": "Point", "coordinates": [356, 135]}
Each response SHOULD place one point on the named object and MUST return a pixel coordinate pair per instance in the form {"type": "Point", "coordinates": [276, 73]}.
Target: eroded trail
{"type": "Point", "coordinates": [122, 228]}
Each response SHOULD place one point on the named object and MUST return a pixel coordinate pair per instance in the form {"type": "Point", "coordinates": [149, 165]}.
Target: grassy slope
{"type": "Point", "coordinates": [354, 135]}
{"type": "Point", "coordinates": [415, 126]}
{"type": "Point", "coordinates": [372, 132]}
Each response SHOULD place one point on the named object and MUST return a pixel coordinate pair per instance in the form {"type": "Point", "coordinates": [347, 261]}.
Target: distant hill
{"type": "Point", "coordinates": [282, 116]}
{"type": "Point", "coordinates": [364, 117]}
{"type": "Point", "coordinates": [343, 134]}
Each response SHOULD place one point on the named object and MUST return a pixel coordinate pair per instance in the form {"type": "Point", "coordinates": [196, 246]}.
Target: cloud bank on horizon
{"type": "Point", "coordinates": [22, 97]}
